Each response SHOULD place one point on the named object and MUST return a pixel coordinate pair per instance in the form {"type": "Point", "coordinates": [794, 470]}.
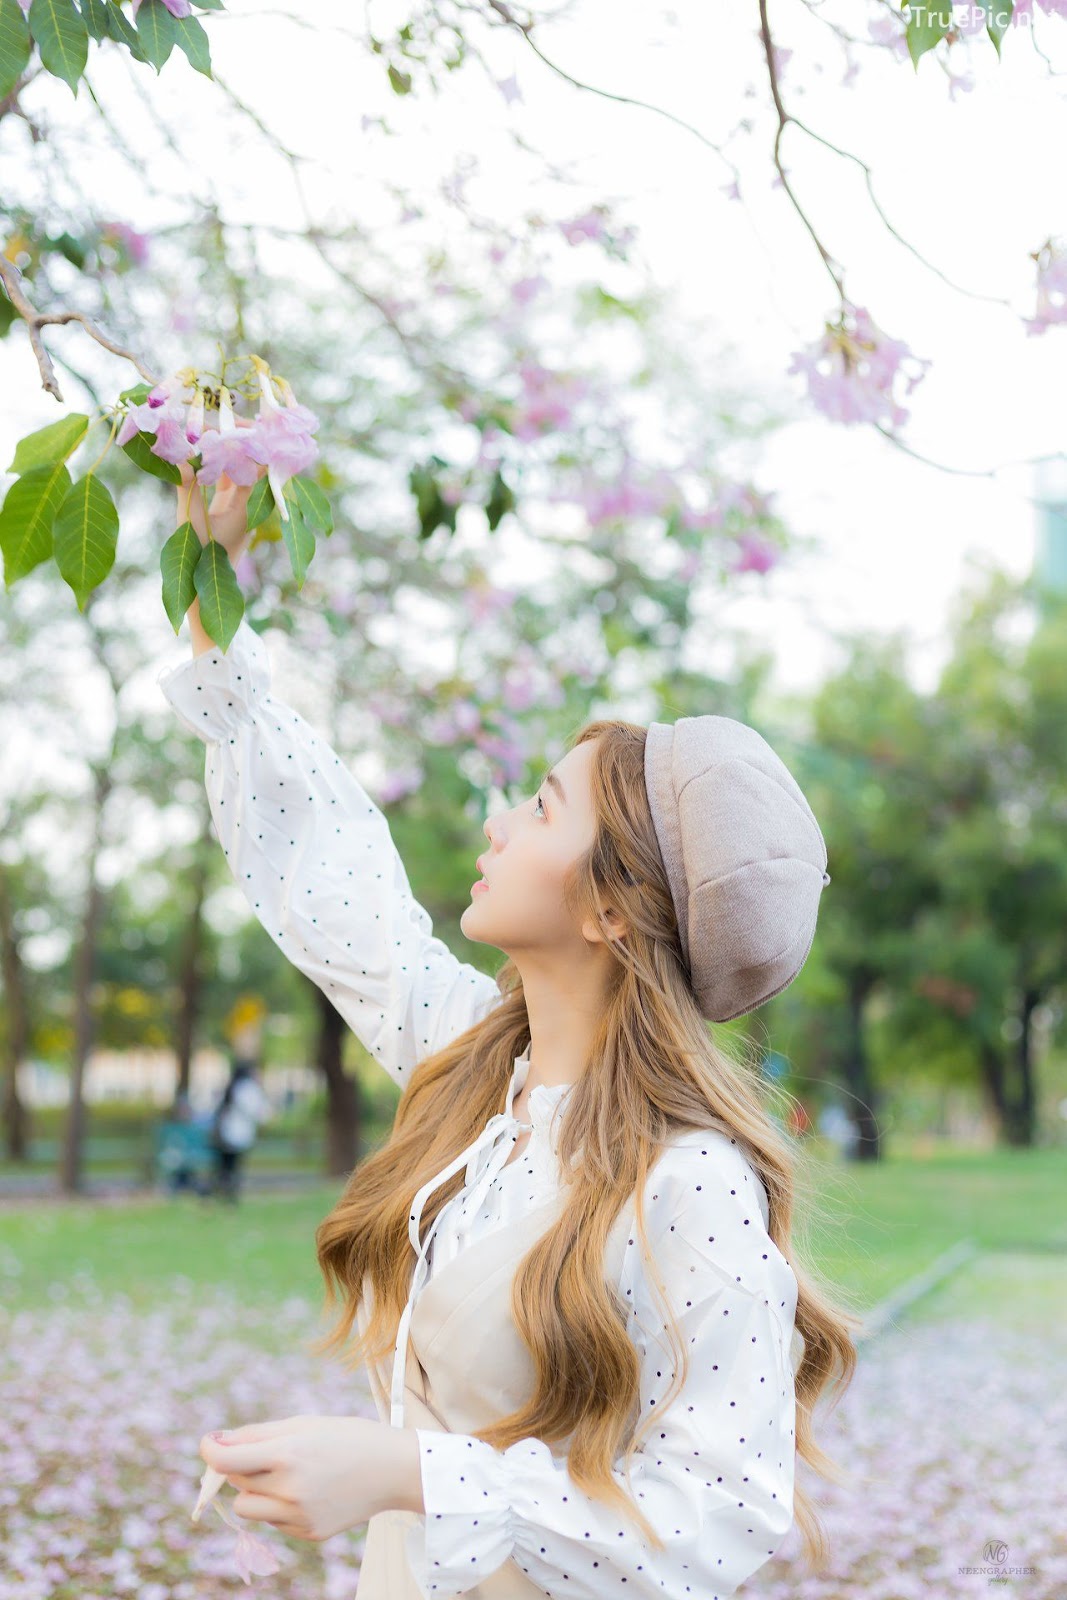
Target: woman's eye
{"type": "Point", "coordinates": [540, 803]}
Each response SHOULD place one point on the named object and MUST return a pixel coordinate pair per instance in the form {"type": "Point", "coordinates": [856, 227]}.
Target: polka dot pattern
{"type": "Point", "coordinates": [315, 859]}
{"type": "Point", "coordinates": [715, 1476]}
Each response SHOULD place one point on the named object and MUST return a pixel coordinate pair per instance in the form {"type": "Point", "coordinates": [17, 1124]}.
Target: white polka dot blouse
{"type": "Point", "coordinates": [314, 857]}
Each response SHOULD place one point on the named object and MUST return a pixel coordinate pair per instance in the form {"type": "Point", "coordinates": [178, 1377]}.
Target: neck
{"type": "Point", "coordinates": [563, 1024]}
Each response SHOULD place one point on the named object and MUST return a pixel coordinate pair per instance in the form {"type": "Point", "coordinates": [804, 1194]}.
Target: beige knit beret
{"type": "Point", "coordinates": [744, 857]}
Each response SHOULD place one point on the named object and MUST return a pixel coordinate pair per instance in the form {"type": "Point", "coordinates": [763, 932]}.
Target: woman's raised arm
{"type": "Point", "coordinates": [314, 858]}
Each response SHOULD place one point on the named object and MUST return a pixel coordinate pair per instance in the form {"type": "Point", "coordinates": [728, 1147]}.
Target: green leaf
{"type": "Point", "coordinates": [401, 81]}
{"type": "Point", "coordinates": [15, 45]}
{"type": "Point", "coordinates": [50, 444]}
{"type": "Point", "coordinates": [26, 519]}
{"type": "Point", "coordinates": [157, 30]}
{"type": "Point", "coordinates": [423, 486]}
{"type": "Point", "coordinates": [86, 536]}
{"type": "Point", "coordinates": [222, 605]}
{"type": "Point", "coordinates": [192, 38]}
{"type": "Point", "coordinates": [95, 14]}
{"type": "Point", "coordinates": [997, 19]}
{"type": "Point", "coordinates": [926, 27]}
{"type": "Point", "coordinates": [62, 38]}
{"type": "Point", "coordinates": [299, 539]}
{"type": "Point", "coordinates": [177, 562]}
{"type": "Point", "coordinates": [501, 500]}
{"type": "Point", "coordinates": [138, 394]}
{"type": "Point", "coordinates": [314, 506]}
{"type": "Point", "coordinates": [433, 509]}
{"type": "Point", "coordinates": [71, 248]}
{"type": "Point", "coordinates": [260, 504]}
{"type": "Point", "coordinates": [210, 5]}
{"type": "Point", "coordinates": [124, 32]}
{"type": "Point", "coordinates": [139, 449]}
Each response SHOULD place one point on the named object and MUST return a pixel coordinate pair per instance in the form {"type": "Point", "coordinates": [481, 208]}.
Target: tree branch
{"type": "Point", "coordinates": [526, 29]}
{"type": "Point", "coordinates": [36, 320]}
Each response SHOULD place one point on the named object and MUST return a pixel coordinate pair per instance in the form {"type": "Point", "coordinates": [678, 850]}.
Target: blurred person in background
{"type": "Point", "coordinates": [244, 1105]}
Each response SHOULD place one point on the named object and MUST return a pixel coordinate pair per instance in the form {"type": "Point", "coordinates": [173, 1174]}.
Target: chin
{"type": "Point", "coordinates": [466, 912]}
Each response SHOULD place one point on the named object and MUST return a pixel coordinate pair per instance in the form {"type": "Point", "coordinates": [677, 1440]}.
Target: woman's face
{"type": "Point", "coordinates": [531, 849]}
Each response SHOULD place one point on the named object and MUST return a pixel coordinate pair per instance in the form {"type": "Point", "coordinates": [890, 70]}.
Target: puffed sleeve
{"type": "Point", "coordinates": [314, 858]}
{"type": "Point", "coordinates": [715, 1475]}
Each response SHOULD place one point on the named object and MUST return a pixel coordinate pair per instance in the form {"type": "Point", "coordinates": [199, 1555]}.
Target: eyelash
{"type": "Point", "coordinates": [540, 803]}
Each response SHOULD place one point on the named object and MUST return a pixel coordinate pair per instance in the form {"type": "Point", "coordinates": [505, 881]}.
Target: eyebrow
{"type": "Point", "coordinates": [550, 778]}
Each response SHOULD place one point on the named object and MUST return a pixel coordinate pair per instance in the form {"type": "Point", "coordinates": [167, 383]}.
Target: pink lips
{"type": "Point", "coordinates": [481, 883]}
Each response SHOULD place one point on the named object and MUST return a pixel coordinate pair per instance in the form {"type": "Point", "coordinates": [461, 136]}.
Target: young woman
{"type": "Point", "coordinates": [569, 1268]}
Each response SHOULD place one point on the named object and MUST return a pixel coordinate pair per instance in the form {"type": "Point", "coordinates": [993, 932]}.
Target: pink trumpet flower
{"type": "Point", "coordinates": [163, 413]}
{"type": "Point", "coordinates": [228, 448]}
{"type": "Point", "coordinates": [282, 438]}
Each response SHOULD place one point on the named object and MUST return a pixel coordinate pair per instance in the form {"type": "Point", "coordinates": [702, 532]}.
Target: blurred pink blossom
{"type": "Point", "coordinates": [547, 400]}
{"type": "Point", "coordinates": [851, 370]}
{"type": "Point", "coordinates": [782, 58]}
{"type": "Point", "coordinates": [509, 88]}
{"type": "Point", "coordinates": [133, 241]}
{"type": "Point", "coordinates": [400, 782]}
{"type": "Point", "coordinates": [589, 225]}
{"type": "Point", "coordinates": [484, 600]}
{"type": "Point", "coordinates": [523, 290]}
{"type": "Point", "coordinates": [756, 554]}
{"type": "Point", "coordinates": [1051, 287]}
{"type": "Point", "coordinates": [889, 30]}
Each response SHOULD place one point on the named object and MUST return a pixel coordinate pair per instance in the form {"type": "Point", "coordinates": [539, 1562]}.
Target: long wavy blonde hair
{"type": "Point", "coordinates": [653, 1071]}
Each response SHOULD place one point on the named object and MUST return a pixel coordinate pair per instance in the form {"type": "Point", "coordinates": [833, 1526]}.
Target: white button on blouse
{"type": "Point", "coordinates": [314, 857]}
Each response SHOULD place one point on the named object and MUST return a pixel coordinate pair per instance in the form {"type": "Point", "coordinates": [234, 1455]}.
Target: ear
{"type": "Point", "coordinates": [591, 931]}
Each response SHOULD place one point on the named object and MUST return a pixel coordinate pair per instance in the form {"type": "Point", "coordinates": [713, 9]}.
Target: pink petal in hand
{"type": "Point", "coordinates": [252, 1555]}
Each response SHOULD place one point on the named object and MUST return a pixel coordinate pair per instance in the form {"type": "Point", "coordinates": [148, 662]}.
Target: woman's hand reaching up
{"type": "Point", "coordinates": [228, 509]}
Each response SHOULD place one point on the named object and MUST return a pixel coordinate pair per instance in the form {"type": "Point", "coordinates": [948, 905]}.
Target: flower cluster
{"type": "Point", "coordinates": [852, 369]}
{"type": "Point", "coordinates": [1051, 287]}
{"type": "Point", "coordinates": [176, 411]}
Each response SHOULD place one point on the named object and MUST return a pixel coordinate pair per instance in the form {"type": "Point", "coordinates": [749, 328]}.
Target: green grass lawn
{"type": "Point", "coordinates": [1026, 1292]}
{"type": "Point", "coordinates": [262, 1249]}
{"type": "Point", "coordinates": [872, 1229]}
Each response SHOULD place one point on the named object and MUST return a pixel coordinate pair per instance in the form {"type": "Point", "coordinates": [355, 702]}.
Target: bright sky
{"type": "Point", "coordinates": [965, 182]}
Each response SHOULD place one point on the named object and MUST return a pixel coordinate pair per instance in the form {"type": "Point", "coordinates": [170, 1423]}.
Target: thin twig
{"type": "Point", "coordinates": [526, 29]}
{"type": "Point", "coordinates": [848, 155]}
{"type": "Point", "coordinates": [784, 118]}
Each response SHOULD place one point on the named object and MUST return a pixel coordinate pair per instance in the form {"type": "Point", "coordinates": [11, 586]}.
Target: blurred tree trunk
{"type": "Point", "coordinates": [863, 1109]}
{"type": "Point", "coordinates": [1014, 1102]}
{"type": "Point", "coordinates": [71, 1157]}
{"type": "Point", "coordinates": [16, 1116]}
{"type": "Point", "coordinates": [190, 974]}
{"type": "Point", "coordinates": [343, 1110]}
